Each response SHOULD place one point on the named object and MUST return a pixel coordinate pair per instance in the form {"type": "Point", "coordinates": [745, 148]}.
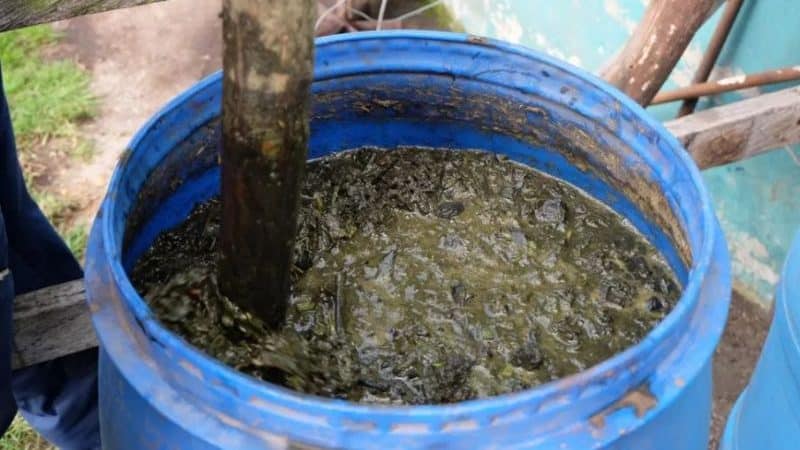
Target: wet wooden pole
{"type": "Point", "coordinates": [268, 61]}
{"type": "Point", "coordinates": [656, 45]}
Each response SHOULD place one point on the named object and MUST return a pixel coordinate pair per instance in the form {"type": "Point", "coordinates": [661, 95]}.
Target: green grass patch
{"type": "Point", "coordinates": [55, 208]}
{"type": "Point", "coordinates": [20, 436]}
{"type": "Point", "coordinates": [46, 98]}
{"type": "Point", "coordinates": [83, 150]}
{"type": "Point", "coordinates": [76, 237]}
{"type": "Point", "coordinates": [59, 211]}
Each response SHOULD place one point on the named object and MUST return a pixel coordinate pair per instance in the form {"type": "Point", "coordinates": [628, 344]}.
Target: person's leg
{"type": "Point", "coordinates": [8, 408]}
{"type": "Point", "coordinates": [58, 398]}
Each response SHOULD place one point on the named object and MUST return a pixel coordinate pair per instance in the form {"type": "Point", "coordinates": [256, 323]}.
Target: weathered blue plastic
{"type": "Point", "coordinates": [767, 414]}
{"type": "Point", "coordinates": [436, 90]}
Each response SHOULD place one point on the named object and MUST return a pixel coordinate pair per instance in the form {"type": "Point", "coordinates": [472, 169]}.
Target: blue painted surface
{"type": "Point", "coordinates": [587, 34]}
{"type": "Point", "coordinates": [765, 417]}
{"type": "Point", "coordinates": [757, 201]}
{"type": "Point", "coordinates": [436, 90]}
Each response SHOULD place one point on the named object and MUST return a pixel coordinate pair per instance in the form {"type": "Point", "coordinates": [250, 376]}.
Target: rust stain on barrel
{"type": "Point", "coordinates": [640, 399]}
{"type": "Point", "coordinates": [480, 40]}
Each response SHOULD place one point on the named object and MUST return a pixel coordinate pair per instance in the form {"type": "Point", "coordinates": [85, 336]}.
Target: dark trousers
{"type": "Point", "coordinates": [58, 398]}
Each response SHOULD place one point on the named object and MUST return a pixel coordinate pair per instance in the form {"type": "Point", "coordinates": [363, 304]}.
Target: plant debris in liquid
{"type": "Point", "coordinates": [422, 277]}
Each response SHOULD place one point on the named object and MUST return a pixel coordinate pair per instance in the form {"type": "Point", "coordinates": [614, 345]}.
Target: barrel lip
{"type": "Point", "coordinates": [617, 366]}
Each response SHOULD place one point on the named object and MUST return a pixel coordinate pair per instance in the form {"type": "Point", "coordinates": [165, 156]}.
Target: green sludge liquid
{"type": "Point", "coordinates": [423, 277]}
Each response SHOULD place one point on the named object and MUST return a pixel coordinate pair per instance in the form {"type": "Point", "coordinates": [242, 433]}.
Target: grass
{"type": "Point", "coordinates": [47, 100]}
{"type": "Point", "coordinates": [76, 237]}
{"type": "Point", "coordinates": [60, 211]}
{"type": "Point", "coordinates": [20, 436]}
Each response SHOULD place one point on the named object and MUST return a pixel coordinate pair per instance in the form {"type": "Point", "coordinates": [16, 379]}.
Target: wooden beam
{"type": "Point", "coordinates": [22, 13]}
{"type": "Point", "coordinates": [50, 323]}
{"type": "Point", "coordinates": [656, 45]}
{"type": "Point", "coordinates": [740, 130]}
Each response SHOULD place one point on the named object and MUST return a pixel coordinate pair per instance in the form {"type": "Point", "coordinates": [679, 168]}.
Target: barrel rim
{"type": "Point", "coordinates": [688, 300]}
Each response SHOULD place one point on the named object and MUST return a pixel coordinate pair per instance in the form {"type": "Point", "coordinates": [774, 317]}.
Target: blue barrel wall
{"type": "Point", "coordinates": [443, 91]}
{"type": "Point", "coordinates": [765, 417]}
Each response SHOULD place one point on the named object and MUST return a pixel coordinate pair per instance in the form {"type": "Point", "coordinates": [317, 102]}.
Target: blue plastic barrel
{"type": "Point", "coordinates": [766, 415]}
{"type": "Point", "coordinates": [436, 90]}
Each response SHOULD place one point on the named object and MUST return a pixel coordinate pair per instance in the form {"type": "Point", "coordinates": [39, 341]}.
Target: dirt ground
{"type": "Point", "coordinates": [142, 57]}
{"type": "Point", "coordinates": [735, 357]}
{"type": "Point", "coordinates": [139, 59]}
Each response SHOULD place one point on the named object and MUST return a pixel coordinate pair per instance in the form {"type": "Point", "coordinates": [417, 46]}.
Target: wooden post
{"type": "Point", "coordinates": [656, 45]}
{"type": "Point", "coordinates": [268, 62]}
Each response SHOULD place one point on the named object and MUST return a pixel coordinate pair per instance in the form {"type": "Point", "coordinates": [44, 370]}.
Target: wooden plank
{"type": "Point", "coordinates": [21, 13]}
{"type": "Point", "coordinates": [51, 322]}
{"type": "Point", "coordinates": [740, 130]}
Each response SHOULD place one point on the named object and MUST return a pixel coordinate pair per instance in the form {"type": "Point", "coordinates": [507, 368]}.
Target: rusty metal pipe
{"type": "Point", "coordinates": [728, 84]}
{"type": "Point", "coordinates": [711, 54]}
